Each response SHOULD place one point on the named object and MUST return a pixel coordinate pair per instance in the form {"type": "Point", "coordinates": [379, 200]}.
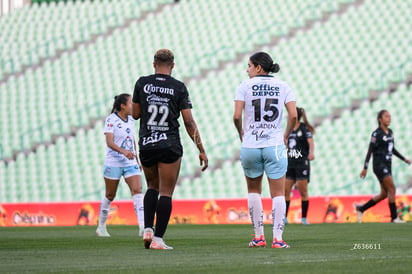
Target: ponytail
{"type": "Point", "coordinates": [379, 115]}
{"type": "Point", "coordinates": [302, 114]}
{"type": "Point", "coordinates": [119, 100]}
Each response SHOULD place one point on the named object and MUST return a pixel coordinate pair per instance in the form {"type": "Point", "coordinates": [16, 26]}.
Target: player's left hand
{"type": "Point", "coordinates": [204, 162]}
{"type": "Point", "coordinates": [311, 157]}
{"type": "Point", "coordinates": [363, 173]}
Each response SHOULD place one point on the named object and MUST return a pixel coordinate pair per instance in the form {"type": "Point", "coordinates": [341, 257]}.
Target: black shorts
{"type": "Point", "coordinates": [381, 171]}
{"type": "Point", "coordinates": [169, 155]}
{"type": "Point", "coordinates": [298, 172]}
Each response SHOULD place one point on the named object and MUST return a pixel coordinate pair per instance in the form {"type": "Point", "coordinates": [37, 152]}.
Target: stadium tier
{"type": "Point", "coordinates": [39, 31]}
{"type": "Point", "coordinates": [346, 56]}
{"type": "Point", "coordinates": [87, 78]}
{"type": "Point", "coordinates": [329, 62]}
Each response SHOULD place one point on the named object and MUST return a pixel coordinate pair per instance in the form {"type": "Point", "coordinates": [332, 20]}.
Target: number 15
{"type": "Point", "coordinates": [271, 111]}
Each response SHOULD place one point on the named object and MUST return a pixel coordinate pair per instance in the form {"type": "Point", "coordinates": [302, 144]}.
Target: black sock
{"type": "Point", "coordinates": [287, 208]}
{"type": "Point", "coordinates": [150, 204]}
{"type": "Point", "coordinates": [305, 207]}
{"type": "Point", "coordinates": [369, 204]}
{"type": "Point", "coordinates": [163, 211]}
{"type": "Point", "coordinates": [392, 208]}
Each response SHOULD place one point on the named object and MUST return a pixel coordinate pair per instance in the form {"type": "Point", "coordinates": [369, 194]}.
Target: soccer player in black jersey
{"type": "Point", "coordinates": [382, 146]}
{"type": "Point", "coordinates": [301, 150]}
{"type": "Point", "coordinates": [158, 101]}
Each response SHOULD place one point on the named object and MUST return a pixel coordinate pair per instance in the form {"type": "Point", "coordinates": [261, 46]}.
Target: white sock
{"type": "Point", "coordinates": [256, 213]}
{"type": "Point", "coordinates": [278, 216]}
{"type": "Point", "coordinates": [104, 211]}
{"type": "Point", "coordinates": [157, 239]}
{"type": "Point", "coordinates": [138, 209]}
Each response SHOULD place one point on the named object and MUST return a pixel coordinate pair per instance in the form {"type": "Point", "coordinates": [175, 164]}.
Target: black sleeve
{"type": "Point", "coordinates": [185, 103]}
{"type": "Point", "coordinates": [397, 154]}
{"type": "Point", "coordinates": [368, 155]}
{"type": "Point", "coordinates": [136, 94]}
{"type": "Point", "coordinates": [308, 134]}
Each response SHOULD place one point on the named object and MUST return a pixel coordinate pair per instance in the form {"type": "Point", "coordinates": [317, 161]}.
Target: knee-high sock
{"type": "Point", "coordinates": [139, 209]}
{"type": "Point", "coordinates": [368, 204]}
{"type": "Point", "coordinates": [150, 204]}
{"type": "Point", "coordinates": [287, 208]}
{"type": "Point", "coordinates": [305, 207]}
{"type": "Point", "coordinates": [392, 208]}
{"type": "Point", "coordinates": [104, 211]}
{"type": "Point", "coordinates": [256, 213]}
{"type": "Point", "coordinates": [278, 216]}
{"type": "Point", "coordinates": [163, 211]}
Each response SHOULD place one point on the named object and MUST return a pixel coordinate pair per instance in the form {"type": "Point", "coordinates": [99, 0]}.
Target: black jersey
{"type": "Point", "coordinates": [382, 144]}
{"type": "Point", "coordinates": [161, 98]}
{"type": "Point", "coordinates": [298, 146]}
{"type": "Point", "coordinates": [382, 147]}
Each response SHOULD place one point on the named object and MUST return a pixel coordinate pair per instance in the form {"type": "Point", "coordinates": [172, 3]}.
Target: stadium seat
{"type": "Point", "coordinates": [328, 64]}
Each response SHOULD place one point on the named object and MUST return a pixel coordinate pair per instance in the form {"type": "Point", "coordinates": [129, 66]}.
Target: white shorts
{"type": "Point", "coordinates": [115, 173]}
{"type": "Point", "coordinates": [271, 160]}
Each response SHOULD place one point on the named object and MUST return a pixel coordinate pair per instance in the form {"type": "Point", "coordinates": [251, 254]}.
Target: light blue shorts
{"type": "Point", "coordinates": [114, 173]}
{"type": "Point", "coordinates": [271, 160]}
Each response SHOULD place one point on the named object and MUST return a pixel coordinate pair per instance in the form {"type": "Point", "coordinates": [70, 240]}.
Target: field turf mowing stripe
{"type": "Point", "coordinates": [315, 248]}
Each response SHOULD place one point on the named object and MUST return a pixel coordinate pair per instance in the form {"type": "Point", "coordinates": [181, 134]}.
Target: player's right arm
{"type": "Point", "coordinates": [136, 110]}
{"type": "Point", "coordinates": [237, 117]}
{"type": "Point", "coordinates": [368, 156]}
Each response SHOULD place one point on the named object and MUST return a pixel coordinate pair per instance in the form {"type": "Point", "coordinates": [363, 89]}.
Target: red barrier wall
{"type": "Point", "coordinates": [220, 211]}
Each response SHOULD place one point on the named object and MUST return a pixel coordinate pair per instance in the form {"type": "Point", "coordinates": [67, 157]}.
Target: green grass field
{"type": "Point", "coordinates": [316, 248]}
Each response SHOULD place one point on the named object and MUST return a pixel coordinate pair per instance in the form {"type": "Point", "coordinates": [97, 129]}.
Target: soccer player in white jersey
{"type": "Point", "coordinates": [261, 100]}
{"type": "Point", "coordinates": [121, 160]}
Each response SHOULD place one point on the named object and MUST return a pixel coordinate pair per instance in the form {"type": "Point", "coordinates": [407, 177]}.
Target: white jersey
{"type": "Point", "coordinates": [123, 136]}
{"type": "Point", "coordinates": [264, 97]}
